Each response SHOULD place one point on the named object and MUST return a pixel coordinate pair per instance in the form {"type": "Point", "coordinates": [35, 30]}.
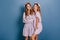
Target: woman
{"type": "Point", "coordinates": [28, 20]}
{"type": "Point", "coordinates": [37, 22]}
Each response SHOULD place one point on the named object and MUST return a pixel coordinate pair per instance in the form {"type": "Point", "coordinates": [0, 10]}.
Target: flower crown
{"type": "Point", "coordinates": [37, 3]}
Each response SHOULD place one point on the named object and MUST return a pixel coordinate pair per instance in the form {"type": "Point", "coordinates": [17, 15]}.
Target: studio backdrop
{"type": "Point", "coordinates": [11, 13]}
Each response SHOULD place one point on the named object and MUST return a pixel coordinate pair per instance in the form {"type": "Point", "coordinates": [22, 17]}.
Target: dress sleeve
{"type": "Point", "coordinates": [39, 16]}
{"type": "Point", "coordinates": [24, 19]}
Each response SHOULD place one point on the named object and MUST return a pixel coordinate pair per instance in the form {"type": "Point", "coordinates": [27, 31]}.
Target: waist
{"type": "Point", "coordinates": [29, 23]}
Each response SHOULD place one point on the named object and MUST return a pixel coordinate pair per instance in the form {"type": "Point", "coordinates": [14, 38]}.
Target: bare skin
{"type": "Point", "coordinates": [36, 37]}
{"type": "Point", "coordinates": [26, 38]}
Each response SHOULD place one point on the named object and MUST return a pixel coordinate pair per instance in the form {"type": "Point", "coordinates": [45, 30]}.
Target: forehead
{"type": "Point", "coordinates": [35, 5]}
{"type": "Point", "coordinates": [28, 4]}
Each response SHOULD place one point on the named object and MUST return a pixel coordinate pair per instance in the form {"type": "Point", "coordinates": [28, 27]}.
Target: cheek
{"type": "Point", "coordinates": [35, 8]}
{"type": "Point", "coordinates": [29, 7]}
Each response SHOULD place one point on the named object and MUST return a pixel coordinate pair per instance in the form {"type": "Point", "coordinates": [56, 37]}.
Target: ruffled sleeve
{"type": "Point", "coordinates": [24, 19]}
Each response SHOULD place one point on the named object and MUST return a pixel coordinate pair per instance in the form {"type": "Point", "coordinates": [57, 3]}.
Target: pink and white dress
{"type": "Point", "coordinates": [37, 31]}
{"type": "Point", "coordinates": [28, 26]}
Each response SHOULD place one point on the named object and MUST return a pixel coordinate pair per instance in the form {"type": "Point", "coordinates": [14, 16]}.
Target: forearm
{"type": "Point", "coordinates": [27, 21]}
{"type": "Point", "coordinates": [36, 22]}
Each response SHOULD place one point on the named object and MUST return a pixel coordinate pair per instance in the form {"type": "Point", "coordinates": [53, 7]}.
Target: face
{"type": "Point", "coordinates": [28, 7]}
{"type": "Point", "coordinates": [35, 7]}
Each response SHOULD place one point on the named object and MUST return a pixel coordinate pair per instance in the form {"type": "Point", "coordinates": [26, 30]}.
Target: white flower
{"type": "Point", "coordinates": [37, 3]}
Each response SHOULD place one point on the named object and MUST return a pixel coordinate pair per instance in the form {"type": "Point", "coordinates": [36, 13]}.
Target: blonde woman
{"type": "Point", "coordinates": [28, 20]}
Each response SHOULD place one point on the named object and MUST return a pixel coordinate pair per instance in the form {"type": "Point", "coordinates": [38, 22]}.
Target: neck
{"type": "Point", "coordinates": [35, 10]}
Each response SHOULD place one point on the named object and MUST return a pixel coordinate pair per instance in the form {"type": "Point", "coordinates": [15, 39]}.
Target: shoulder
{"type": "Point", "coordinates": [37, 13]}
{"type": "Point", "coordinates": [23, 13]}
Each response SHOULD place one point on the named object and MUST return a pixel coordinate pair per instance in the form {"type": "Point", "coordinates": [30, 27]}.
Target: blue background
{"type": "Point", "coordinates": [11, 24]}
